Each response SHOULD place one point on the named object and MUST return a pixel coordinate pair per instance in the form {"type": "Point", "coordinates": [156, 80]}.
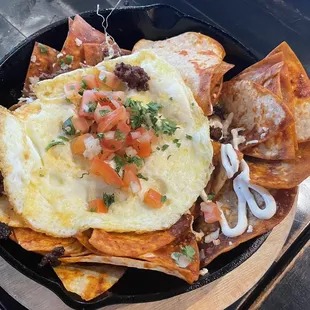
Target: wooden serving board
{"type": "Point", "coordinates": [216, 295]}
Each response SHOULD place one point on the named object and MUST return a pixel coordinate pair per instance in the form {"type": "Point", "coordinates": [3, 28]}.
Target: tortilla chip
{"type": "Point", "coordinates": [209, 251]}
{"type": "Point", "coordinates": [159, 260]}
{"type": "Point", "coordinates": [301, 90]}
{"type": "Point", "coordinates": [88, 281]}
{"type": "Point", "coordinates": [93, 53]}
{"type": "Point", "coordinates": [271, 72]}
{"type": "Point", "coordinates": [79, 32]}
{"type": "Point", "coordinates": [282, 174]}
{"type": "Point", "coordinates": [256, 109]}
{"type": "Point", "coordinates": [132, 244]}
{"type": "Point", "coordinates": [84, 237]}
{"type": "Point", "coordinates": [34, 241]}
{"type": "Point", "coordinates": [40, 67]}
{"type": "Point", "coordinates": [8, 216]}
{"type": "Point", "coordinates": [198, 59]}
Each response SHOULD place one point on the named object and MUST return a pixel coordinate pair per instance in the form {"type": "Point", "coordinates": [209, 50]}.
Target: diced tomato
{"type": "Point", "coordinates": [211, 212]}
{"type": "Point", "coordinates": [89, 81]}
{"type": "Point", "coordinates": [80, 123]}
{"type": "Point", "coordinates": [78, 145]}
{"type": "Point", "coordinates": [110, 120]}
{"type": "Point", "coordinates": [141, 141]}
{"type": "Point", "coordinates": [119, 96]}
{"type": "Point", "coordinates": [101, 111]}
{"type": "Point", "coordinates": [123, 127]}
{"type": "Point", "coordinates": [97, 205]}
{"type": "Point", "coordinates": [100, 168]}
{"type": "Point", "coordinates": [109, 141]}
{"type": "Point", "coordinates": [153, 199]}
{"type": "Point", "coordinates": [72, 89]}
{"type": "Point", "coordinates": [106, 153]}
{"type": "Point", "coordinates": [130, 178]}
{"type": "Point", "coordinates": [104, 99]}
{"type": "Point", "coordinates": [109, 79]}
{"type": "Point", "coordinates": [88, 104]}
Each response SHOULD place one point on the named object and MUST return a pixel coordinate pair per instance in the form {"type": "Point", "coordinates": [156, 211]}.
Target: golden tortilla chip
{"type": "Point", "coordinates": [271, 73]}
{"type": "Point", "coordinates": [132, 244]}
{"type": "Point", "coordinates": [42, 60]}
{"type": "Point", "coordinates": [199, 61]}
{"type": "Point", "coordinates": [8, 216]}
{"type": "Point", "coordinates": [34, 241]}
{"type": "Point", "coordinates": [282, 174]}
{"type": "Point", "coordinates": [93, 53]}
{"type": "Point", "coordinates": [301, 90]}
{"type": "Point", "coordinates": [256, 109]}
{"type": "Point", "coordinates": [72, 51]}
{"type": "Point", "coordinates": [209, 251]}
{"type": "Point", "coordinates": [160, 260]}
{"type": "Point", "coordinates": [88, 281]}
{"type": "Point", "coordinates": [84, 237]}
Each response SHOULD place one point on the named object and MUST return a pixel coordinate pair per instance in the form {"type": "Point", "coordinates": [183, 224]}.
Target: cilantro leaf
{"type": "Point", "coordinates": [188, 251]}
{"type": "Point", "coordinates": [108, 199]}
{"type": "Point", "coordinates": [153, 107]}
{"type": "Point", "coordinates": [163, 199]}
{"type": "Point", "coordinates": [164, 147]}
{"type": "Point", "coordinates": [92, 105]}
{"type": "Point", "coordinates": [63, 138]}
{"type": "Point", "coordinates": [43, 49]}
{"type": "Point", "coordinates": [168, 127]}
{"type": "Point", "coordinates": [211, 196]}
{"type": "Point", "coordinates": [85, 173]}
{"type": "Point", "coordinates": [68, 127]}
{"type": "Point", "coordinates": [119, 162]}
{"type": "Point", "coordinates": [176, 142]}
{"type": "Point", "coordinates": [100, 135]}
{"type": "Point", "coordinates": [54, 143]}
{"type": "Point", "coordinates": [188, 137]}
{"type": "Point", "coordinates": [134, 160]}
{"type": "Point", "coordinates": [140, 176]}
{"type": "Point", "coordinates": [175, 256]}
{"type": "Point", "coordinates": [119, 136]}
{"type": "Point", "coordinates": [69, 59]}
{"type": "Point", "coordinates": [83, 84]}
{"type": "Point", "coordinates": [103, 112]}
{"type": "Point", "coordinates": [137, 113]}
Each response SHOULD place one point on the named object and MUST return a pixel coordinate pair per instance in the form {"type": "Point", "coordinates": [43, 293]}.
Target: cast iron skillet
{"type": "Point", "coordinates": [127, 26]}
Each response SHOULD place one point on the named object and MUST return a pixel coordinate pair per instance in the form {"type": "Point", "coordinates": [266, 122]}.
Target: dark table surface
{"type": "Point", "coordinates": [260, 25]}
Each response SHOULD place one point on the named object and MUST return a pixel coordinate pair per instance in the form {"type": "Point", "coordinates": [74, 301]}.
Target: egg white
{"type": "Point", "coordinates": [46, 188]}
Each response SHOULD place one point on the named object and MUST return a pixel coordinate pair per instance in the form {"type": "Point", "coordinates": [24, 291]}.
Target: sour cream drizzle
{"type": "Point", "coordinates": [242, 186]}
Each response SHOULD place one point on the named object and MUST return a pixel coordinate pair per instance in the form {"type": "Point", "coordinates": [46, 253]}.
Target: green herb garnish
{"type": "Point", "coordinates": [43, 49]}
{"type": "Point", "coordinates": [108, 199]}
{"type": "Point", "coordinates": [93, 209]}
{"type": "Point", "coordinates": [100, 136]}
{"type": "Point", "coordinates": [168, 127]}
{"type": "Point", "coordinates": [188, 251]}
{"type": "Point", "coordinates": [171, 98]}
{"type": "Point", "coordinates": [188, 137]}
{"type": "Point", "coordinates": [169, 157]}
{"type": "Point", "coordinates": [68, 127]}
{"type": "Point", "coordinates": [119, 162]}
{"type": "Point", "coordinates": [54, 143]}
{"type": "Point", "coordinates": [63, 138]}
{"type": "Point", "coordinates": [119, 136]}
{"type": "Point", "coordinates": [176, 142]}
{"type": "Point", "coordinates": [134, 160]}
{"type": "Point", "coordinates": [82, 176]}
{"type": "Point", "coordinates": [69, 59]}
{"type": "Point", "coordinates": [83, 84]}
{"type": "Point", "coordinates": [41, 175]}
{"type": "Point", "coordinates": [92, 105]}
{"type": "Point", "coordinates": [103, 112]}
{"type": "Point", "coordinates": [69, 101]}
{"type": "Point", "coordinates": [164, 147]}
{"type": "Point", "coordinates": [163, 199]}
{"type": "Point", "coordinates": [140, 176]}
{"type": "Point", "coordinates": [153, 107]}
{"type": "Point", "coordinates": [211, 196]}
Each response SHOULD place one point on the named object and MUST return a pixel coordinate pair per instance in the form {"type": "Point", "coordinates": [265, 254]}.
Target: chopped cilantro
{"type": "Point", "coordinates": [92, 105]}
{"type": "Point", "coordinates": [171, 98]}
{"type": "Point", "coordinates": [211, 196]}
{"type": "Point", "coordinates": [108, 199]}
{"type": "Point", "coordinates": [193, 104]}
{"type": "Point", "coordinates": [134, 160]}
{"type": "Point", "coordinates": [41, 175]}
{"type": "Point", "coordinates": [68, 127]}
{"type": "Point", "coordinates": [163, 199]}
{"type": "Point", "coordinates": [176, 256]}
{"type": "Point", "coordinates": [93, 209]}
{"type": "Point", "coordinates": [158, 148]}
{"type": "Point", "coordinates": [188, 137]}
{"type": "Point", "coordinates": [63, 138]}
{"type": "Point", "coordinates": [100, 135]}
{"type": "Point", "coordinates": [62, 63]}
{"type": "Point", "coordinates": [69, 59]}
{"type": "Point", "coordinates": [103, 79]}
{"type": "Point", "coordinates": [119, 99]}
{"type": "Point", "coordinates": [137, 113]}
{"type": "Point", "coordinates": [96, 89]}
{"type": "Point", "coordinates": [188, 251]}
{"type": "Point", "coordinates": [169, 157]}
{"type": "Point", "coordinates": [83, 84]}
{"type": "Point", "coordinates": [119, 136]}
{"type": "Point", "coordinates": [153, 107]}
{"type": "Point", "coordinates": [119, 162]}
{"type": "Point", "coordinates": [68, 101]}
{"type": "Point", "coordinates": [140, 176]}
{"type": "Point", "coordinates": [54, 143]}
{"type": "Point", "coordinates": [164, 147]}
{"type": "Point", "coordinates": [168, 127]}
{"type": "Point", "coordinates": [176, 142]}
{"type": "Point", "coordinates": [43, 49]}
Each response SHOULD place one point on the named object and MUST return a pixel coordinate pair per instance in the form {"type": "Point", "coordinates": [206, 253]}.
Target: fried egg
{"type": "Point", "coordinates": [49, 188]}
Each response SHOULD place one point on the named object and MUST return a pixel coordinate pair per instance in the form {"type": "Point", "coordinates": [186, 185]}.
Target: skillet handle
{"type": "Point", "coordinates": [7, 302]}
